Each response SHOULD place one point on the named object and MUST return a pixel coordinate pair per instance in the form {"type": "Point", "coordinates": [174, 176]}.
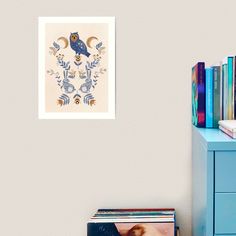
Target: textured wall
{"type": "Point", "coordinates": [52, 178]}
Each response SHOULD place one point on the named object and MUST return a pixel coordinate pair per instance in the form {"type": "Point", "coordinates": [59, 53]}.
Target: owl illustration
{"type": "Point", "coordinates": [78, 45]}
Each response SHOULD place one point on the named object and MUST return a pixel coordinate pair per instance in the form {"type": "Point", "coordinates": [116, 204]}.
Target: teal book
{"type": "Point", "coordinates": [216, 96]}
{"type": "Point", "coordinates": [225, 91]}
{"type": "Point", "coordinates": [209, 97]}
{"type": "Point", "coordinates": [230, 88]}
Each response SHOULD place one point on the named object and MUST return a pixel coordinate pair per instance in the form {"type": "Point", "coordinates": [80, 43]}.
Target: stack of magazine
{"type": "Point", "coordinates": [228, 127]}
{"type": "Point", "coordinates": [132, 222]}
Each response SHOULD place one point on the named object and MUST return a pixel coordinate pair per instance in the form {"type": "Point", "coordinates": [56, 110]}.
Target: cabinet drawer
{"type": "Point", "coordinates": [225, 213]}
{"type": "Point", "coordinates": [225, 171]}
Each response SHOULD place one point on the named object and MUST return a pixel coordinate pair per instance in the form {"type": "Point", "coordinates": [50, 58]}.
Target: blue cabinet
{"type": "Point", "coordinates": [214, 183]}
{"type": "Point", "coordinates": [225, 213]}
{"type": "Point", "coordinates": [225, 171]}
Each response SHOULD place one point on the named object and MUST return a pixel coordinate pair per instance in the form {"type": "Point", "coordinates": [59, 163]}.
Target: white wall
{"type": "Point", "coordinates": [55, 174]}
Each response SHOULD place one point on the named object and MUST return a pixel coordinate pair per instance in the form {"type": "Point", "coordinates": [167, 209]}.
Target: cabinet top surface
{"type": "Point", "coordinates": [214, 139]}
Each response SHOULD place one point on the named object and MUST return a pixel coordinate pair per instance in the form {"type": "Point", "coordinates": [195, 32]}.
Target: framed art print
{"type": "Point", "coordinates": [76, 68]}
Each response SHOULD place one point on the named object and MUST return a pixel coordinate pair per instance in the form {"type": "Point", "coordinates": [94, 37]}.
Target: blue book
{"type": "Point", "coordinates": [209, 97]}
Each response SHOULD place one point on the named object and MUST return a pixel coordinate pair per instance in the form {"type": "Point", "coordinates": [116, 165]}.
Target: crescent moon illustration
{"type": "Point", "coordinates": [65, 40]}
{"type": "Point", "coordinates": [90, 39]}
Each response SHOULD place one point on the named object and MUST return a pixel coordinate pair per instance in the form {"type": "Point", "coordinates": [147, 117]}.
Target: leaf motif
{"type": "Point", "coordinates": [57, 46]}
{"type": "Point", "coordinates": [53, 51]}
{"type": "Point", "coordinates": [98, 45]}
{"type": "Point", "coordinates": [63, 100]}
{"type": "Point", "coordinates": [66, 64]}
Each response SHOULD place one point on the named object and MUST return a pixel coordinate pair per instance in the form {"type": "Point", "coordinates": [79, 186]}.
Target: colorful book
{"type": "Point", "coordinates": [198, 95]}
{"type": "Point", "coordinates": [216, 96]}
{"type": "Point", "coordinates": [209, 97]}
{"type": "Point", "coordinates": [234, 87]}
{"type": "Point", "coordinates": [228, 103]}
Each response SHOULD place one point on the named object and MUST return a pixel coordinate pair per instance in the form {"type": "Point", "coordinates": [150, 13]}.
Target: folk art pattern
{"type": "Point", "coordinates": [84, 67]}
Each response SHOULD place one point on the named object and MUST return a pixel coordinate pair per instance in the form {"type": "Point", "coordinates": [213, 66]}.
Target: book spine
{"type": "Point", "coordinates": [209, 97]}
{"type": "Point", "coordinates": [221, 91]}
{"type": "Point", "coordinates": [230, 88]}
{"type": "Point", "coordinates": [234, 88]}
{"type": "Point", "coordinates": [201, 111]}
{"type": "Point", "coordinates": [194, 96]}
{"type": "Point", "coordinates": [225, 92]}
{"type": "Point", "coordinates": [216, 96]}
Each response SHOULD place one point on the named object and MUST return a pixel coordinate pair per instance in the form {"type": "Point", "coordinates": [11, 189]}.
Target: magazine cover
{"type": "Point", "coordinates": [131, 229]}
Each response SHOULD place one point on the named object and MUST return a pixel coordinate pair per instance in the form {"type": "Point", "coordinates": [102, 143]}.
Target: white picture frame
{"type": "Point", "coordinates": [43, 113]}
